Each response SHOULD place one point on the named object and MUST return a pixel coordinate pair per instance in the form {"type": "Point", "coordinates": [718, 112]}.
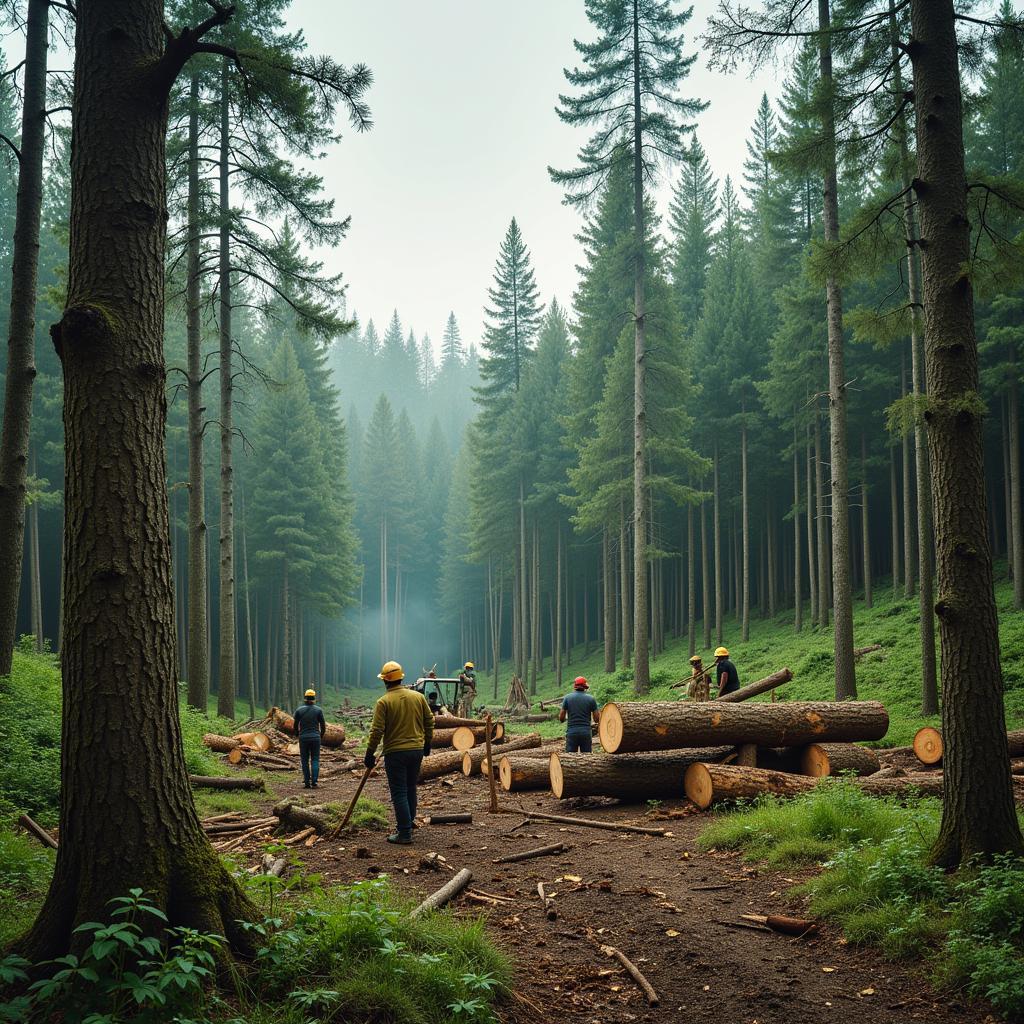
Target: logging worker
{"type": "Point", "coordinates": [467, 677]}
{"type": "Point", "coordinates": [728, 678]}
{"type": "Point", "coordinates": [579, 707]}
{"type": "Point", "coordinates": [700, 685]}
{"type": "Point", "coordinates": [402, 719]}
{"type": "Point", "coordinates": [309, 724]}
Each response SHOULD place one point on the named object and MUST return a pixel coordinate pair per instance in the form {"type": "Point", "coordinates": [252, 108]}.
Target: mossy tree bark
{"type": "Point", "coordinates": [978, 816]}
{"type": "Point", "coordinates": [126, 816]}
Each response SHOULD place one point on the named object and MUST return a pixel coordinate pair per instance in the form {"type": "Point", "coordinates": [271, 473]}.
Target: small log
{"type": "Point", "coordinates": [38, 831]}
{"type": "Point", "coordinates": [550, 702]}
{"type": "Point", "coordinates": [798, 926]}
{"type": "Point", "coordinates": [333, 737]}
{"type": "Point", "coordinates": [533, 719]}
{"type": "Point", "coordinates": [259, 740]}
{"type": "Point", "coordinates": [821, 759]}
{"type": "Point", "coordinates": [225, 782]}
{"type": "Point", "coordinates": [634, 972]}
{"type": "Point", "coordinates": [234, 827]}
{"type": "Point", "coordinates": [443, 738]}
{"type": "Point", "coordinates": [273, 866]}
{"type": "Point", "coordinates": [928, 744]}
{"type": "Point", "coordinates": [540, 851]}
{"type": "Point", "coordinates": [221, 744]}
{"type": "Point", "coordinates": [234, 756]}
{"type": "Point", "coordinates": [668, 725]}
{"type": "Point", "coordinates": [450, 819]}
{"type": "Point", "coordinates": [545, 750]}
{"type": "Point", "coordinates": [521, 773]}
{"type": "Point", "coordinates": [465, 737]}
{"type": "Point", "coordinates": [299, 837]}
{"type": "Point", "coordinates": [473, 758]}
{"type": "Point", "coordinates": [784, 675]}
{"type": "Point", "coordinates": [492, 788]}
{"type": "Point", "coordinates": [446, 893]}
{"type": "Point", "coordinates": [859, 652]}
{"type": "Point", "coordinates": [636, 777]}
{"type": "Point", "coordinates": [547, 903]}
{"type": "Point", "coordinates": [227, 816]}
{"type": "Point", "coordinates": [296, 816]}
{"type": "Point", "coordinates": [611, 826]}
{"type": "Point", "coordinates": [451, 722]}
{"type": "Point", "coordinates": [441, 762]}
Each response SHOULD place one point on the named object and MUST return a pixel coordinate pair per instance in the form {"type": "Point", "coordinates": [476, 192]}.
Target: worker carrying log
{"type": "Point", "coordinates": [467, 677]}
{"type": "Point", "coordinates": [309, 725]}
{"type": "Point", "coordinates": [700, 684]}
{"type": "Point", "coordinates": [727, 677]}
{"type": "Point", "coordinates": [402, 719]}
{"type": "Point", "coordinates": [579, 707]}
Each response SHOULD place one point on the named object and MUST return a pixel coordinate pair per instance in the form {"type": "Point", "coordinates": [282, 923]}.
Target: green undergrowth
{"type": "Point", "coordinates": [876, 883]}
{"type": "Point", "coordinates": [891, 675]}
{"type": "Point", "coordinates": [351, 953]}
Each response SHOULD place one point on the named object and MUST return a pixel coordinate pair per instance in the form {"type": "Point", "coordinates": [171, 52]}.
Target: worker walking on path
{"type": "Point", "coordinates": [728, 678]}
{"type": "Point", "coordinates": [403, 720]}
{"type": "Point", "coordinates": [467, 677]}
{"type": "Point", "coordinates": [579, 707]}
{"type": "Point", "coordinates": [700, 684]}
{"type": "Point", "coordinates": [309, 724]}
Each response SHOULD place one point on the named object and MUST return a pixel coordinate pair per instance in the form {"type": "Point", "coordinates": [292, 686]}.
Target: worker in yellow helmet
{"type": "Point", "coordinates": [309, 725]}
{"type": "Point", "coordinates": [727, 677]}
{"type": "Point", "coordinates": [467, 677]}
{"type": "Point", "coordinates": [403, 720]}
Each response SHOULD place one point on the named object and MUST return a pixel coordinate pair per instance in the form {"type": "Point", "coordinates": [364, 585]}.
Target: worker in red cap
{"type": "Point", "coordinates": [579, 708]}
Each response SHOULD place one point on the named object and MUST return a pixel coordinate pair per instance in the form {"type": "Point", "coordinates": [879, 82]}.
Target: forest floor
{"type": "Point", "coordinates": [673, 909]}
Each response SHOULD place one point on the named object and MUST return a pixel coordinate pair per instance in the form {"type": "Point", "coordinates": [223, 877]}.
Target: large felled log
{"type": "Point", "coordinates": [821, 759]}
{"type": "Point", "coordinates": [647, 776]}
{"type": "Point", "coordinates": [451, 889]}
{"type": "Point", "coordinates": [543, 751]}
{"type": "Point", "coordinates": [761, 686]}
{"type": "Point", "coordinates": [521, 773]}
{"type": "Point", "coordinates": [228, 782]}
{"type": "Point", "coordinates": [221, 744]}
{"type": "Point", "coordinates": [670, 725]}
{"type": "Point", "coordinates": [466, 737]}
{"type": "Point", "coordinates": [474, 757]}
{"type": "Point", "coordinates": [257, 740]}
{"type": "Point", "coordinates": [441, 762]}
{"type": "Point", "coordinates": [296, 816]}
{"type": "Point", "coordinates": [333, 737]}
{"type": "Point", "coordinates": [452, 722]}
{"type": "Point", "coordinates": [708, 784]}
{"type": "Point", "coordinates": [928, 744]}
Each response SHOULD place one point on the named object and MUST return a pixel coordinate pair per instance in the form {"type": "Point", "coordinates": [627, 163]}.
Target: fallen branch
{"type": "Point", "coordinates": [634, 972]}
{"type": "Point", "coordinates": [565, 819]}
{"type": "Point", "coordinates": [540, 851]}
{"type": "Point", "coordinates": [798, 926]}
{"type": "Point", "coordinates": [445, 894]}
{"type": "Point", "coordinates": [38, 831]}
{"type": "Point", "coordinates": [298, 817]}
{"type": "Point", "coordinates": [450, 819]}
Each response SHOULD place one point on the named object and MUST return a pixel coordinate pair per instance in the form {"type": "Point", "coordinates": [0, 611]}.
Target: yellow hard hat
{"type": "Point", "coordinates": [470, 664]}
{"type": "Point", "coordinates": [695, 660]}
{"type": "Point", "coordinates": [391, 672]}
{"type": "Point", "coordinates": [721, 652]}
{"type": "Point", "coordinates": [310, 695]}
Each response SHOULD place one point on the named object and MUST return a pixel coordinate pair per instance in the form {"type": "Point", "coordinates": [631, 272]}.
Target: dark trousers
{"type": "Point", "coordinates": [402, 768]}
{"type": "Point", "coordinates": [578, 741]}
{"type": "Point", "coordinates": [309, 751]}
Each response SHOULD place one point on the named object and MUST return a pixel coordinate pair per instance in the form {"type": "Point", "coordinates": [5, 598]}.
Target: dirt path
{"type": "Point", "coordinates": [646, 895]}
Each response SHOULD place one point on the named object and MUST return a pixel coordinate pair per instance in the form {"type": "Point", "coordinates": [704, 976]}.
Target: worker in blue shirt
{"type": "Point", "coordinates": [310, 726]}
{"type": "Point", "coordinates": [579, 708]}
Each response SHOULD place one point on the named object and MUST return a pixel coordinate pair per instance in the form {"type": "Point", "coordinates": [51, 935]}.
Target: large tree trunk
{"type": "Point", "coordinates": [928, 744]}
{"type": "Point", "coordinates": [705, 578]}
{"type": "Point", "coordinates": [226, 673]}
{"type": "Point", "coordinates": [978, 815]}
{"type": "Point", "coordinates": [1016, 508]}
{"type": "Point", "coordinates": [249, 645]}
{"type": "Point", "coordinates": [894, 522]}
{"type": "Point", "coordinates": [664, 725]}
{"type": "Point", "coordinates": [624, 602]}
{"type": "Point", "coordinates": [719, 568]}
{"type": "Point", "coordinates": [842, 597]}
{"type": "Point", "coordinates": [21, 364]}
{"type": "Point", "coordinates": [559, 614]}
{"type": "Point", "coordinates": [798, 611]}
{"type": "Point", "coordinates": [634, 777]}
{"type": "Point", "coordinates": [691, 583]}
{"type": "Point", "coordinates": [824, 584]}
{"type": "Point", "coordinates": [198, 670]}
{"type": "Point", "coordinates": [126, 817]}
{"type": "Point", "coordinates": [908, 499]}
{"type": "Point", "coordinates": [865, 521]}
{"type": "Point", "coordinates": [608, 596]}
{"type": "Point", "coordinates": [745, 528]}
{"type": "Point", "coordinates": [517, 773]}
{"type": "Point", "coordinates": [812, 547]}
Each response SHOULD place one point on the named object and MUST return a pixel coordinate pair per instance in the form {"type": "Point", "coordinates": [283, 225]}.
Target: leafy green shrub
{"type": "Point", "coordinates": [199, 759]}
{"type": "Point", "coordinates": [25, 869]}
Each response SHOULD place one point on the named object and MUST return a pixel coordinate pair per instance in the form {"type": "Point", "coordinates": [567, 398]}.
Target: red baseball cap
{"type": "Point", "coordinates": [580, 683]}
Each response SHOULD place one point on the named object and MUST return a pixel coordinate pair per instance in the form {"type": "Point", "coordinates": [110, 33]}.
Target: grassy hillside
{"type": "Point", "coordinates": [892, 675]}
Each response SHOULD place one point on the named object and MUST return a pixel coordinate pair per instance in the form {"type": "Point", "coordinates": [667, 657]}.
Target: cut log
{"type": "Point", "coordinates": [462, 818]}
{"type": "Point", "coordinates": [466, 737]}
{"type": "Point", "coordinates": [257, 740]}
{"type": "Point", "coordinates": [708, 784]}
{"type": "Point", "coordinates": [296, 816]}
{"type": "Point", "coordinates": [234, 827]}
{"type": "Point", "coordinates": [473, 758]}
{"type": "Point", "coordinates": [225, 782]}
{"type": "Point", "coordinates": [634, 972]}
{"type": "Point", "coordinates": [235, 756]}
{"type": "Point", "coordinates": [540, 851]}
{"type": "Point", "coordinates": [521, 773]}
{"type": "Point", "coordinates": [545, 750]}
{"type": "Point", "coordinates": [928, 744]}
{"type": "Point", "coordinates": [669, 725]}
{"type": "Point", "coordinates": [645, 776]}
{"type": "Point", "coordinates": [491, 786]}
{"type": "Point", "coordinates": [38, 831]}
{"type": "Point", "coordinates": [761, 686]}
{"type": "Point", "coordinates": [333, 737]}
{"type": "Point", "coordinates": [221, 744]}
{"type": "Point", "coordinates": [451, 722]}
{"type": "Point", "coordinates": [611, 826]}
{"type": "Point", "coordinates": [799, 926]}
{"type": "Point", "coordinates": [859, 652]}
{"type": "Point", "coordinates": [443, 738]}
{"type": "Point", "coordinates": [821, 759]}
{"type": "Point", "coordinates": [446, 893]}
{"type": "Point", "coordinates": [442, 762]}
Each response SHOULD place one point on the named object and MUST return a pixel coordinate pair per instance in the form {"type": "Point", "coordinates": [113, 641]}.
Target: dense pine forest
{"type": "Point", "coordinates": [778, 394]}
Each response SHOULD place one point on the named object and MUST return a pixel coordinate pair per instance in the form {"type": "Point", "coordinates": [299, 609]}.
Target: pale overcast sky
{"type": "Point", "coordinates": [465, 128]}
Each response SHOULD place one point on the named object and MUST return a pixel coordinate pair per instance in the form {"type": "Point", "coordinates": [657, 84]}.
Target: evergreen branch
{"type": "Point", "coordinates": [182, 47]}
{"type": "Point", "coordinates": [14, 148]}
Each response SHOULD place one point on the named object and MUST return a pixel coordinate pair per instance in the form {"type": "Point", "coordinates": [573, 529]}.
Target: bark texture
{"type": "Point", "coordinates": [519, 773]}
{"type": "Point", "coordinates": [978, 815]}
{"type": "Point", "coordinates": [821, 759]}
{"type": "Point", "coordinates": [126, 815]}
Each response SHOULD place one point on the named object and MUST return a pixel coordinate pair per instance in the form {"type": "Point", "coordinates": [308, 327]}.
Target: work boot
{"type": "Point", "coordinates": [403, 837]}
{"type": "Point", "coordinates": [316, 785]}
{"type": "Point", "coordinates": [305, 785]}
